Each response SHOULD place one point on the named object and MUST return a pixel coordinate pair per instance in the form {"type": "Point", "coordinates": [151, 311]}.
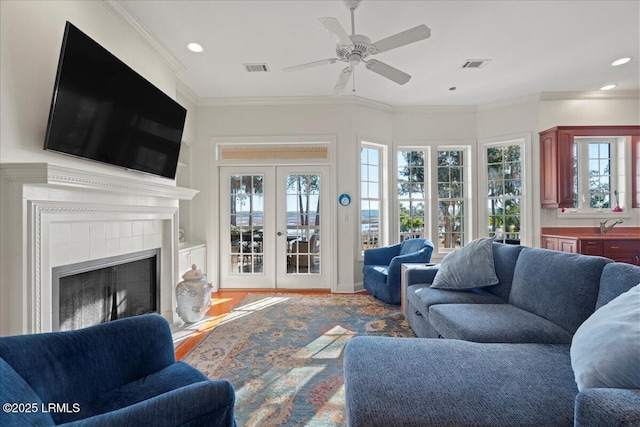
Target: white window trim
{"type": "Point", "coordinates": [526, 209]}
{"type": "Point", "coordinates": [468, 185]}
{"type": "Point", "coordinates": [428, 198]}
{"type": "Point", "coordinates": [431, 197]}
{"type": "Point", "coordinates": [383, 225]}
{"type": "Point", "coordinates": [623, 182]}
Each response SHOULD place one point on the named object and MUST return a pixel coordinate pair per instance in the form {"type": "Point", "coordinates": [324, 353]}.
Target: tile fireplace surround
{"type": "Point", "coordinates": [55, 215]}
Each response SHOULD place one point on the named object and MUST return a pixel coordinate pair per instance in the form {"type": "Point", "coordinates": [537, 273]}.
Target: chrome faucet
{"type": "Point", "coordinates": [604, 227]}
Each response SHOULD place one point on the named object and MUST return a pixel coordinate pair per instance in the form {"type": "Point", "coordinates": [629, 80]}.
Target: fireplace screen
{"type": "Point", "coordinates": [99, 291]}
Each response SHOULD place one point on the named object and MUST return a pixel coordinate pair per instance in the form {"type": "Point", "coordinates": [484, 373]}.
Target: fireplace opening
{"type": "Point", "coordinates": [106, 289]}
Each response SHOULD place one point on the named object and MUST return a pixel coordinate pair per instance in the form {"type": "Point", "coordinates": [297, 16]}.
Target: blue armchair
{"type": "Point", "coordinates": [120, 373]}
{"type": "Point", "coordinates": [383, 266]}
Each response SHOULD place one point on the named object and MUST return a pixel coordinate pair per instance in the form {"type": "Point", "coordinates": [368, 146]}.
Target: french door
{"type": "Point", "coordinates": [275, 227]}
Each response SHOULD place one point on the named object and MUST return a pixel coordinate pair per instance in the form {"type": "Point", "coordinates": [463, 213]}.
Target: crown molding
{"type": "Point", "coordinates": [596, 94]}
{"type": "Point", "coordinates": [68, 177]}
{"type": "Point", "coordinates": [505, 103]}
{"type": "Point", "coordinates": [328, 100]}
{"type": "Point", "coordinates": [292, 100]}
{"type": "Point", "coordinates": [129, 18]}
{"type": "Point", "coordinates": [421, 109]}
{"type": "Point", "coordinates": [185, 92]}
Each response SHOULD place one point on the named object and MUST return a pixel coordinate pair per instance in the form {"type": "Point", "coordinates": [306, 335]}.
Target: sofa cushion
{"type": "Point", "coordinates": [468, 267]}
{"type": "Point", "coordinates": [605, 351]}
{"type": "Point", "coordinates": [172, 377]}
{"type": "Point", "coordinates": [497, 323]}
{"type": "Point", "coordinates": [416, 382]}
{"type": "Point", "coordinates": [504, 261]}
{"type": "Point", "coordinates": [423, 296]}
{"type": "Point", "coordinates": [559, 286]}
{"type": "Point", "coordinates": [597, 407]}
{"type": "Point", "coordinates": [15, 390]}
{"type": "Point", "coordinates": [203, 404]}
{"type": "Point", "coordinates": [617, 277]}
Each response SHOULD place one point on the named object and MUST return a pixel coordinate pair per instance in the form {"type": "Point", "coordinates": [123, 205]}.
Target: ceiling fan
{"type": "Point", "coordinates": [356, 48]}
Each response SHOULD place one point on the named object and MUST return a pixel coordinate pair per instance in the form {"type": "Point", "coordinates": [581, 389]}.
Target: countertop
{"type": "Point", "coordinates": [592, 233]}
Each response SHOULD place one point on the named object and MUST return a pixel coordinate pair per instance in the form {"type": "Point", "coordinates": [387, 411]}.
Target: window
{"type": "Point", "coordinates": [411, 193]}
{"type": "Point", "coordinates": [504, 192]}
{"type": "Point", "coordinates": [451, 200]}
{"type": "Point", "coordinates": [370, 195]}
{"type": "Point", "coordinates": [594, 173]}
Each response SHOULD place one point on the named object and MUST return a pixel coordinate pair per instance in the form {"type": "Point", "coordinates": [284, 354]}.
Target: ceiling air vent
{"type": "Point", "coordinates": [256, 68]}
{"type": "Point", "coordinates": [475, 63]}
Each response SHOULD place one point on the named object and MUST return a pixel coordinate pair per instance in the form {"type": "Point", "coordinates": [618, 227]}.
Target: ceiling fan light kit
{"type": "Point", "coordinates": [356, 48]}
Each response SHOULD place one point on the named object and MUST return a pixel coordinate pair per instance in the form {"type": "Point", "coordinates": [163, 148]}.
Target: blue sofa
{"type": "Point", "coordinates": [505, 359]}
{"type": "Point", "coordinates": [120, 373]}
{"type": "Point", "coordinates": [383, 266]}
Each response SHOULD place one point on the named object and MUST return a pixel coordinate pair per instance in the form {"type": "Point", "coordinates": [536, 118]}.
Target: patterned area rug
{"type": "Point", "coordinates": [283, 354]}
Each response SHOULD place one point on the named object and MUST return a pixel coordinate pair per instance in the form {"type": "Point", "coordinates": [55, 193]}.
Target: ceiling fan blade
{"type": "Point", "coordinates": [412, 35]}
{"type": "Point", "coordinates": [343, 79]}
{"type": "Point", "coordinates": [311, 64]}
{"type": "Point", "coordinates": [388, 71]}
{"type": "Point", "coordinates": [337, 31]}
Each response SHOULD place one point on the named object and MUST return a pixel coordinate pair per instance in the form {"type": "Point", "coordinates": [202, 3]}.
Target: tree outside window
{"type": "Point", "coordinates": [504, 192]}
{"type": "Point", "coordinates": [594, 164]}
{"type": "Point", "coordinates": [411, 193]}
{"type": "Point", "coordinates": [451, 209]}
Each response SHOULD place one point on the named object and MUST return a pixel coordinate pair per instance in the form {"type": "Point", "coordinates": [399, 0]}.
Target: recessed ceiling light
{"type": "Point", "coordinates": [620, 61]}
{"type": "Point", "coordinates": [195, 47]}
{"type": "Point", "coordinates": [607, 87]}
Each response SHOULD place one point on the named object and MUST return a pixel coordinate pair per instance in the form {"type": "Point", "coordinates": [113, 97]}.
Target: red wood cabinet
{"type": "Point", "coordinates": [620, 250]}
{"type": "Point", "coordinates": [635, 171]}
{"type": "Point", "coordinates": [556, 161]}
{"type": "Point", "coordinates": [556, 168]}
{"type": "Point", "coordinates": [592, 247]}
{"type": "Point", "coordinates": [623, 251]}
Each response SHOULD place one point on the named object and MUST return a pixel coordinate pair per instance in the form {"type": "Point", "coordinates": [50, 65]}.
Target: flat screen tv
{"type": "Point", "coordinates": [102, 110]}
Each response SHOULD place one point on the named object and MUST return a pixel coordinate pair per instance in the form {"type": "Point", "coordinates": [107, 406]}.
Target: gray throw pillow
{"type": "Point", "coordinates": [605, 350]}
{"type": "Point", "coordinates": [468, 267]}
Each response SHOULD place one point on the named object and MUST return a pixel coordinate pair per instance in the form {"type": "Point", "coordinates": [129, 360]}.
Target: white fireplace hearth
{"type": "Point", "coordinates": [56, 215]}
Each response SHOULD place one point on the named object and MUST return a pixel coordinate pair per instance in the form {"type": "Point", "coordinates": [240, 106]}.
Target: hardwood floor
{"type": "Point", "coordinates": [222, 302]}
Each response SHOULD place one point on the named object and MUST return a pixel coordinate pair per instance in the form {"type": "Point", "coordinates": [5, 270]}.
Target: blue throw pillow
{"type": "Point", "coordinates": [605, 350]}
{"type": "Point", "coordinates": [468, 267]}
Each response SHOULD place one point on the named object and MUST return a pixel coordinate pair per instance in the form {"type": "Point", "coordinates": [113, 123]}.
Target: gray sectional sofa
{"type": "Point", "coordinates": [505, 359]}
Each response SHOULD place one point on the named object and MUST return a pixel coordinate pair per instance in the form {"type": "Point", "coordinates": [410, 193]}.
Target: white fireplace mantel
{"type": "Point", "coordinates": [52, 215]}
{"type": "Point", "coordinates": [64, 176]}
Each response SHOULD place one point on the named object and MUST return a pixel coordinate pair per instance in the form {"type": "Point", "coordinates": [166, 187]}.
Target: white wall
{"type": "Point", "coordinates": [335, 120]}
{"type": "Point", "coordinates": [31, 36]}
{"type": "Point", "coordinates": [347, 120]}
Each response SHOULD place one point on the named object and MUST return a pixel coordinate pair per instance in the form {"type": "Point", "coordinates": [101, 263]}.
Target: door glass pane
{"type": "Point", "coordinates": [246, 224]}
{"type": "Point", "coordinates": [303, 224]}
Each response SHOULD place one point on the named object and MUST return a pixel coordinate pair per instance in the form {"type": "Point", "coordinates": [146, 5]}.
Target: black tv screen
{"type": "Point", "coordinates": [102, 110]}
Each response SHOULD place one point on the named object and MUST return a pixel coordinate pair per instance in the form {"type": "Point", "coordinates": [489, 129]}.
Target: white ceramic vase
{"type": "Point", "coordinates": [194, 295]}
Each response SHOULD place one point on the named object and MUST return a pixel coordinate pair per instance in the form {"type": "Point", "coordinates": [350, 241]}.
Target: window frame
{"type": "Point", "coordinates": [621, 180]}
{"type": "Point", "coordinates": [383, 213]}
{"type": "Point", "coordinates": [467, 192]}
{"type": "Point", "coordinates": [428, 196]}
{"type": "Point", "coordinates": [526, 201]}
{"type": "Point", "coordinates": [431, 195]}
